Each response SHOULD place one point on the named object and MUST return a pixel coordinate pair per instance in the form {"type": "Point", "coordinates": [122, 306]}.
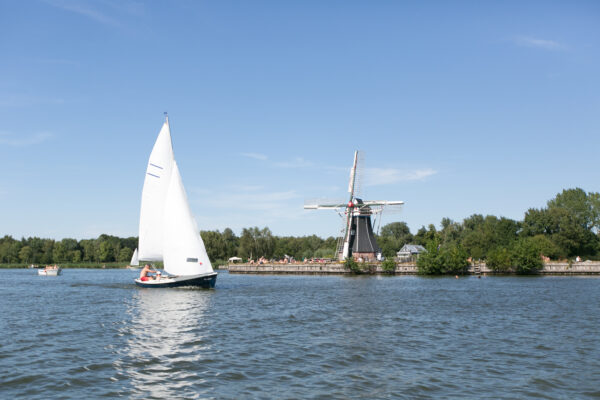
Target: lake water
{"type": "Point", "coordinates": [92, 334]}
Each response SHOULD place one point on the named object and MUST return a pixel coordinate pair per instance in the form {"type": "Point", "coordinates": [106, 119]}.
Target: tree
{"type": "Point", "coordinates": [483, 234]}
{"type": "Point", "coordinates": [526, 257]}
{"type": "Point", "coordinates": [125, 254]}
{"type": "Point", "coordinates": [564, 226]}
{"type": "Point", "coordinates": [215, 245]}
{"type": "Point", "coordinates": [105, 252]}
{"type": "Point", "coordinates": [256, 242]}
{"type": "Point", "coordinates": [430, 262]}
{"type": "Point", "coordinates": [425, 236]}
{"type": "Point", "coordinates": [583, 208]}
{"type": "Point", "coordinates": [232, 242]}
{"type": "Point", "coordinates": [47, 250]}
{"type": "Point", "coordinates": [76, 256]}
{"type": "Point", "coordinates": [546, 247]}
{"type": "Point", "coordinates": [59, 254]}
{"type": "Point", "coordinates": [25, 254]}
{"type": "Point", "coordinates": [451, 231]}
{"type": "Point", "coordinates": [89, 250]}
{"type": "Point", "coordinates": [9, 250]}
{"type": "Point", "coordinates": [393, 236]}
{"type": "Point", "coordinates": [441, 260]}
{"type": "Point", "coordinates": [500, 259]}
{"type": "Point", "coordinates": [388, 266]}
{"type": "Point", "coordinates": [36, 244]}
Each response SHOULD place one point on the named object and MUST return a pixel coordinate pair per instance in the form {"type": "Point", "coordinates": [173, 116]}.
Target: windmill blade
{"type": "Point", "coordinates": [356, 175]}
{"type": "Point", "coordinates": [320, 204]}
{"type": "Point", "coordinates": [323, 206]}
{"type": "Point", "coordinates": [382, 203]}
{"type": "Point", "coordinates": [353, 175]}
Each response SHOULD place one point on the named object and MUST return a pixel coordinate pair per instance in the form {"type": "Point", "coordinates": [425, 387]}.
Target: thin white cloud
{"type": "Point", "coordinates": [256, 156]}
{"type": "Point", "coordinates": [10, 139]}
{"type": "Point", "coordinates": [238, 207]}
{"type": "Point", "coordinates": [26, 100]}
{"type": "Point", "coordinates": [528, 41]}
{"type": "Point", "coordinates": [297, 162]}
{"type": "Point", "coordinates": [101, 11]}
{"type": "Point", "coordinates": [85, 9]}
{"type": "Point", "coordinates": [248, 188]}
{"type": "Point", "coordinates": [246, 198]}
{"type": "Point", "coordinates": [385, 176]}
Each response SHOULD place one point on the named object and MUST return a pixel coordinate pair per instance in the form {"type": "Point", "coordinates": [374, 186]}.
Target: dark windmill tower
{"type": "Point", "coordinates": [357, 239]}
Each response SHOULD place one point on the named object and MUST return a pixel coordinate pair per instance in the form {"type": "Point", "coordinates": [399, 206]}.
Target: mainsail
{"type": "Point", "coordinates": [184, 251]}
{"type": "Point", "coordinates": [156, 183]}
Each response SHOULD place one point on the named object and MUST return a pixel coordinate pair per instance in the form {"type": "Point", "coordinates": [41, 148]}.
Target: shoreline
{"type": "Point", "coordinates": [550, 268]}
{"type": "Point", "coordinates": [336, 268]}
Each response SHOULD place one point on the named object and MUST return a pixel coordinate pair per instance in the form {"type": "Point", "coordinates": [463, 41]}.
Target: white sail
{"type": "Point", "coordinates": [183, 249]}
{"type": "Point", "coordinates": [154, 194]}
{"type": "Point", "coordinates": [135, 261]}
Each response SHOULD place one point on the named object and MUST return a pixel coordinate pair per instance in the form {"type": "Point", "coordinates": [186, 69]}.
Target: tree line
{"type": "Point", "coordinates": [253, 243]}
{"type": "Point", "coordinates": [567, 227]}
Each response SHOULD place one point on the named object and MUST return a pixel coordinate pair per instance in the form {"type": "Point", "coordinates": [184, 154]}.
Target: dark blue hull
{"type": "Point", "coordinates": [206, 282]}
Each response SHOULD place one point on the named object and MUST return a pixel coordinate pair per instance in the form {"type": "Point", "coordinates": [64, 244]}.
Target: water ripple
{"type": "Point", "coordinates": [92, 334]}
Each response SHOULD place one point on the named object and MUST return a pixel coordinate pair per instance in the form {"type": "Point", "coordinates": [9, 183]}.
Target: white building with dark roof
{"type": "Point", "coordinates": [410, 252]}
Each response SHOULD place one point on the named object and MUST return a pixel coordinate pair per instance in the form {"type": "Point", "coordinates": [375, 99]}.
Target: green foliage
{"type": "Point", "coordinates": [546, 247]}
{"type": "Point", "coordinates": [388, 265]}
{"type": "Point", "coordinates": [323, 252]}
{"type": "Point", "coordinates": [26, 254]}
{"type": "Point", "coordinates": [124, 255]}
{"type": "Point", "coordinates": [583, 207]}
{"type": "Point", "coordinates": [353, 266]}
{"type": "Point", "coordinates": [430, 262]}
{"type": "Point", "coordinates": [393, 236]}
{"type": "Point", "coordinates": [570, 221]}
{"type": "Point", "coordinates": [455, 259]}
{"type": "Point", "coordinates": [483, 234]}
{"type": "Point", "coordinates": [500, 259]}
{"type": "Point", "coordinates": [442, 259]}
{"type": "Point", "coordinates": [526, 257]}
{"type": "Point", "coordinates": [425, 236]}
{"type": "Point", "coordinates": [35, 250]}
{"type": "Point", "coordinates": [255, 243]}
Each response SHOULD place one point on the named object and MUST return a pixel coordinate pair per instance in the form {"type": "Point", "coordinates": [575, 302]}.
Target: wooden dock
{"type": "Point", "coordinates": [550, 268]}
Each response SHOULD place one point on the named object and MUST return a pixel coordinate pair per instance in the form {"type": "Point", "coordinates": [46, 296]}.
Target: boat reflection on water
{"type": "Point", "coordinates": [167, 340]}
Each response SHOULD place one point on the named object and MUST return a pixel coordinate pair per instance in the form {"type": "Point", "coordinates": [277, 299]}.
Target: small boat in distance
{"type": "Point", "coordinates": [168, 231]}
{"type": "Point", "coordinates": [50, 270]}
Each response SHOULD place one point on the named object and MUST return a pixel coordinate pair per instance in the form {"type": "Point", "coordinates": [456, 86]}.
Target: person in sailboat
{"type": "Point", "coordinates": [146, 271]}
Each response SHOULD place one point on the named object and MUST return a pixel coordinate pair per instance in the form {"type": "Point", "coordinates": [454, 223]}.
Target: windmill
{"type": "Point", "coordinates": [357, 239]}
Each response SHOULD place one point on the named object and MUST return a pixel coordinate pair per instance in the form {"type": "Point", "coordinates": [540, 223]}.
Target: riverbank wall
{"type": "Point", "coordinates": [550, 268]}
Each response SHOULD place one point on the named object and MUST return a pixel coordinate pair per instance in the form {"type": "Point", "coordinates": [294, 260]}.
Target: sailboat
{"type": "Point", "coordinates": [168, 231]}
{"type": "Point", "coordinates": [135, 262]}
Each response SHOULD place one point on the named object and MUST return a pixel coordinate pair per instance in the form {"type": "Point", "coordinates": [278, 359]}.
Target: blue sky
{"type": "Point", "coordinates": [460, 108]}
